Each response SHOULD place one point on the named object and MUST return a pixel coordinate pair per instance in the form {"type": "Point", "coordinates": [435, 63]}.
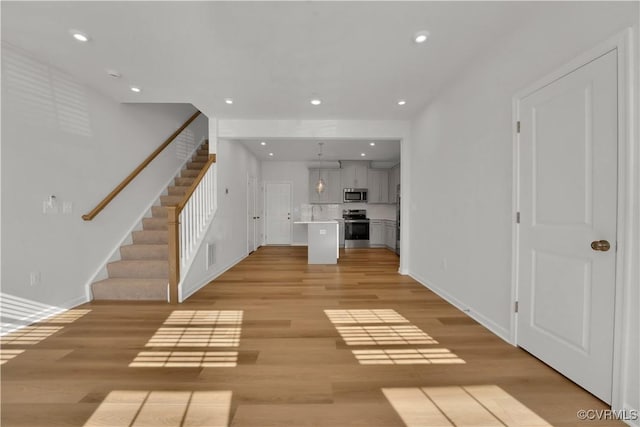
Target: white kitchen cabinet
{"type": "Point", "coordinates": [376, 233]}
{"type": "Point", "coordinates": [341, 232]}
{"type": "Point", "coordinates": [390, 235]}
{"type": "Point", "coordinates": [354, 174]}
{"type": "Point", "coordinates": [333, 189]}
{"type": "Point", "coordinates": [378, 180]}
{"type": "Point", "coordinates": [394, 181]}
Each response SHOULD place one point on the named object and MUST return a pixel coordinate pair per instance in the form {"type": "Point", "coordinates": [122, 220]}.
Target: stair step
{"type": "Point", "coordinates": [154, 224]}
{"type": "Point", "coordinates": [150, 236]}
{"type": "Point", "coordinates": [189, 173]}
{"type": "Point", "coordinates": [159, 211]}
{"type": "Point", "coordinates": [142, 251]}
{"type": "Point", "coordinates": [203, 152]}
{"type": "Point", "coordinates": [130, 289]}
{"type": "Point", "coordinates": [184, 182]}
{"type": "Point", "coordinates": [170, 200]}
{"type": "Point", "coordinates": [195, 165]}
{"type": "Point", "coordinates": [139, 269]}
{"type": "Point", "coordinates": [199, 158]}
{"type": "Point", "coordinates": [178, 190]}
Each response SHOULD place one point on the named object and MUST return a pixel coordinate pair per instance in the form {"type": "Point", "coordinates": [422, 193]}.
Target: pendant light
{"type": "Point", "coordinates": [320, 184]}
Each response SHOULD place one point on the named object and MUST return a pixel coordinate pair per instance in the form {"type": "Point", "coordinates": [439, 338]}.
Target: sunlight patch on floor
{"type": "Point", "coordinates": [205, 317]}
{"type": "Point", "coordinates": [29, 335]}
{"type": "Point", "coordinates": [410, 356]}
{"type": "Point", "coordinates": [365, 316]}
{"type": "Point", "coordinates": [7, 354]}
{"type": "Point", "coordinates": [195, 337]}
{"type": "Point", "coordinates": [163, 408]}
{"type": "Point", "coordinates": [384, 335]}
{"type": "Point", "coordinates": [68, 316]}
{"type": "Point", "coordinates": [185, 359]}
{"type": "Point", "coordinates": [477, 405]}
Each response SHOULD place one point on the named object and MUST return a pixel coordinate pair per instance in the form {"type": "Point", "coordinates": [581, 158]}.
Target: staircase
{"type": "Point", "coordinates": [143, 270]}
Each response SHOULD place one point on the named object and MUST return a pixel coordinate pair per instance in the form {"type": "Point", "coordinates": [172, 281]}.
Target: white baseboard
{"type": "Point", "coordinates": [480, 318]}
{"type": "Point", "coordinates": [214, 275]}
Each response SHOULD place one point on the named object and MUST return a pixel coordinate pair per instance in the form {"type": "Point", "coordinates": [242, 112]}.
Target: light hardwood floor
{"type": "Point", "coordinates": [257, 348]}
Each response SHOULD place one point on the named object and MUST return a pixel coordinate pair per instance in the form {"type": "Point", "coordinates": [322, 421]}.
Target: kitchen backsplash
{"type": "Point", "coordinates": [324, 212]}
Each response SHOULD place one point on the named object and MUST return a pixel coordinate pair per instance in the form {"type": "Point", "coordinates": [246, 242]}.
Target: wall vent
{"type": "Point", "coordinates": [211, 254]}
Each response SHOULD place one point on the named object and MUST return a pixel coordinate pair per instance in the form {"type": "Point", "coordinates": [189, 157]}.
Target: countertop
{"type": "Point", "coordinates": [326, 221]}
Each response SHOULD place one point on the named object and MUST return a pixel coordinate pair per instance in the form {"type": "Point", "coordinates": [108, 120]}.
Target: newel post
{"type": "Point", "coordinates": [174, 252]}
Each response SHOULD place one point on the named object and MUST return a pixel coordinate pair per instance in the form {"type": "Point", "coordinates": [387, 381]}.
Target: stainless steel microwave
{"type": "Point", "coordinates": [355, 195]}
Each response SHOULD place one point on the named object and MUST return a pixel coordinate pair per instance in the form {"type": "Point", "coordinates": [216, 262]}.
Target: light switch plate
{"type": "Point", "coordinates": [67, 208]}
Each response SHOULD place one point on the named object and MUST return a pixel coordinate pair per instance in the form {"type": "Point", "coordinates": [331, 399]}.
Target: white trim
{"type": "Point", "coordinates": [114, 255]}
{"type": "Point", "coordinates": [210, 278]}
{"type": "Point", "coordinates": [469, 311]}
{"type": "Point", "coordinates": [623, 43]}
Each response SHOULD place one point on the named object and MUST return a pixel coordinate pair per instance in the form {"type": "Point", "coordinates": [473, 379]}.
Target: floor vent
{"type": "Point", "coordinates": [211, 254]}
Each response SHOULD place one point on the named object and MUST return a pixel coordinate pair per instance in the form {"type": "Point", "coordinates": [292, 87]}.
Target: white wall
{"type": "Point", "coordinates": [461, 153]}
{"type": "Point", "coordinates": [228, 231]}
{"type": "Point", "coordinates": [62, 138]}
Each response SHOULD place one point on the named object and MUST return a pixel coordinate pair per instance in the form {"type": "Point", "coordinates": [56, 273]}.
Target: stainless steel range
{"type": "Point", "coordinates": [356, 228]}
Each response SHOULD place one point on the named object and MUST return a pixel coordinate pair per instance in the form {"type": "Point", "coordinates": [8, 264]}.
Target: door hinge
{"type": "Point", "coordinates": [518, 126]}
{"type": "Point", "coordinates": [515, 307]}
{"type": "Point", "coordinates": [517, 217]}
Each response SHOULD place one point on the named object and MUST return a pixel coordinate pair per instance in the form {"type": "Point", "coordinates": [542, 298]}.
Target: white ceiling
{"type": "Point", "coordinates": [307, 149]}
{"type": "Point", "coordinates": [270, 57]}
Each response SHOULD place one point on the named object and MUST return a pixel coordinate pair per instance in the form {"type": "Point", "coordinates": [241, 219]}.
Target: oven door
{"type": "Point", "coordinates": [356, 234]}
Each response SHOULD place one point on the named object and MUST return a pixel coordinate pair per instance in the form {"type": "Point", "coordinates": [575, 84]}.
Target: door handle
{"type": "Point", "coordinates": [600, 245]}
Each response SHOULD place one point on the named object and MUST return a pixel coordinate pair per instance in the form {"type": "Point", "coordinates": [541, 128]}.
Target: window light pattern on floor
{"type": "Point", "coordinates": [29, 335]}
{"type": "Point", "coordinates": [365, 316]}
{"type": "Point", "coordinates": [185, 359]}
{"type": "Point", "coordinates": [7, 354]}
{"type": "Point", "coordinates": [163, 408]}
{"type": "Point", "coordinates": [195, 337]}
{"type": "Point", "coordinates": [205, 317]}
{"type": "Point", "coordinates": [68, 316]}
{"type": "Point", "coordinates": [479, 405]}
{"type": "Point", "coordinates": [411, 356]}
{"type": "Point", "coordinates": [384, 335]}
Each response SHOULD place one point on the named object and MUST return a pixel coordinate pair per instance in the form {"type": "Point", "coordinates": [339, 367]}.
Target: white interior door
{"type": "Point", "coordinates": [568, 198]}
{"type": "Point", "coordinates": [251, 214]}
{"type": "Point", "coordinates": [278, 221]}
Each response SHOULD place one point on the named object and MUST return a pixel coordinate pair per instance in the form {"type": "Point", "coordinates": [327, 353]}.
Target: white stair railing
{"type": "Point", "coordinates": [187, 224]}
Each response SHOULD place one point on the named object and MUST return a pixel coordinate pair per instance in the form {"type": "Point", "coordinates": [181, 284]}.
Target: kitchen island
{"type": "Point", "coordinates": [323, 241]}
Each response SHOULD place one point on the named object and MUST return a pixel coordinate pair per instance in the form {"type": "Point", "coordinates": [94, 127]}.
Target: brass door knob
{"type": "Point", "coordinates": [600, 245]}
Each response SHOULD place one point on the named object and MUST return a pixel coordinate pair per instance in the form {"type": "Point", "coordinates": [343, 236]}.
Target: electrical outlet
{"type": "Point", "coordinates": [34, 278]}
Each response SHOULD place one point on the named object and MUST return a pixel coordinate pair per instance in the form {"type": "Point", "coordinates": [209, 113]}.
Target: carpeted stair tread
{"type": "Point", "coordinates": [150, 236]}
{"type": "Point", "coordinates": [154, 223]}
{"type": "Point", "coordinates": [139, 269]}
{"type": "Point", "coordinates": [144, 251]}
{"type": "Point", "coordinates": [178, 190]}
{"type": "Point", "coordinates": [130, 289]}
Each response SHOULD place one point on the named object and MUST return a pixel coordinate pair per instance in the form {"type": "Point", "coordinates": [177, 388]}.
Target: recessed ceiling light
{"type": "Point", "coordinates": [270, 154]}
{"type": "Point", "coordinates": [79, 35]}
{"type": "Point", "coordinates": [135, 89]}
{"type": "Point", "coordinates": [263, 143]}
{"type": "Point", "coordinates": [421, 36]}
{"type": "Point", "coordinates": [316, 101]}
{"type": "Point", "coordinates": [373, 144]}
{"type": "Point", "coordinates": [362, 154]}
{"type": "Point", "coordinates": [401, 102]}
{"type": "Point", "coordinates": [228, 101]}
